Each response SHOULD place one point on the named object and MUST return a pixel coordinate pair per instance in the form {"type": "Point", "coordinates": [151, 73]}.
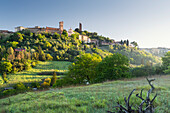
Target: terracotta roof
{"type": "Point", "coordinates": [50, 28]}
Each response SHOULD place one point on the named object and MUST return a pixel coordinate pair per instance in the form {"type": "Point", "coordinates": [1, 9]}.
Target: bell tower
{"type": "Point", "coordinates": [80, 27]}
{"type": "Point", "coordinates": [61, 26]}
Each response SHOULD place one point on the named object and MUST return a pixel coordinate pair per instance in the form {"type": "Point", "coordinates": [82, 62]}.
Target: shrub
{"type": "Point", "coordinates": [33, 64]}
{"type": "Point", "coordinates": [143, 71]}
{"type": "Point", "coordinates": [27, 66]}
{"type": "Point", "coordinates": [48, 80]}
{"type": "Point", "coordinates": [37, 62]}
{"type": "Point", "coordinates": [59, 83]}
{"type": "Point", "coordinates": [47, 45]}
{"type": "Point", "coordinates": [64, 82]}
{"type": "Point", "coordinates": [35, 85]}
{"type": "Point", "coordinates": [45, 85]}
{"type": "Point", "coordinates": [20, 66]}
{"type": "Point", "coordinates": [14, 70]}
{"type": "Point", "coordinates": [5, 80]}
{"type": "Point", "coordinates": [20, 86]}
{"type": "Point", "coordinates": [14, 44]}
{"type": "Point", "coordinates": [9, 92]}
{"type": "Point", "coordinates": [5, 66]}
{"type": "Point", "coordinates": [49, 57]}
{"type": "Point", "coordinates": [4, 75]}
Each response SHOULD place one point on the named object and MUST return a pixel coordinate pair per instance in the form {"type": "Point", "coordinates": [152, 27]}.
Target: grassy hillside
{"type": "Point", "coordinates": [96, 98]}
{"type": "Point", "coordinates": [33, 75]}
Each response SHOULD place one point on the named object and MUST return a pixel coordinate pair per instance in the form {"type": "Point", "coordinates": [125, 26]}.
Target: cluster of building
{"type": "Point", "coordinates": [59, 30]}
{"type": "Point", "coordinates": [52, 30]}
{"type": "Point", "coordinates": [38, 29]}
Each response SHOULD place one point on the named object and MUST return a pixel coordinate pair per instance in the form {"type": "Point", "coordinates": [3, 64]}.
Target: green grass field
{"type": "Point", "coordinates": [32, 74]}
{"type": "Point", "coordinates": [96, 98]}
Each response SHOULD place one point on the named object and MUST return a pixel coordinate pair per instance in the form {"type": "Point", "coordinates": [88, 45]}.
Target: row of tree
{"type": "Point", "coordinates": [91, 68]}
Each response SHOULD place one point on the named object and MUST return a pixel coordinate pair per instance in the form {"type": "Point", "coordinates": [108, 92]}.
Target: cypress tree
{"type": "Point", "coordinates": [127, 42]}
{"type": "Point", "coordinates": [53, 79]}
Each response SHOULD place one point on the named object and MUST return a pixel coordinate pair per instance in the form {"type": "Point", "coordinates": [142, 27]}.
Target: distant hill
{"type": "Point", "coordinates": [160, 51]}
{"type": "Point", "coordinates": [136, 56]}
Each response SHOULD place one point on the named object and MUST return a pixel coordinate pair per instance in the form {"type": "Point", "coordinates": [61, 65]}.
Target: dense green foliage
{"type": "Point", "coordinates": [43, 46]}
{"type": "Point", "coordinates": [87, 68]}
{"type": "Point", "coordinates": [90, 68]}
{"type": "Point", "coordinates": [41, 71]}
{"type": "Point", "coordinates": [136, 57]}
{"type": "Point", "coordinates": [166, 62]}
{"type": "Point", "coordinates": [145, 71]}
{"type": "Point", "coordinates": [112, 67]}
{"type": "Point", "coordinates": [35, 46]}
{"type": "Point", "coordinates": [83, 70]}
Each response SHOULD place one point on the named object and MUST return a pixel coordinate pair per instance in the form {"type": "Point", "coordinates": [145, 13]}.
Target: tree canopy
{"type": "Point", "coordinates": [112, 67]}
{"type": "Point", "coordinates": [166, 62]}
{"type": "Point", "coordinates": [83, 70]}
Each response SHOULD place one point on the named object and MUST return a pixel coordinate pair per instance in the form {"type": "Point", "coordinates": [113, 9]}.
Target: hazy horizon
{"type": "Point", "coordinates": [147, 22]}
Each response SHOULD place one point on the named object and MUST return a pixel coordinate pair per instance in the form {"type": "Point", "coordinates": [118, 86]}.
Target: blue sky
{"type": "Point", "coordinates": [144, 21]}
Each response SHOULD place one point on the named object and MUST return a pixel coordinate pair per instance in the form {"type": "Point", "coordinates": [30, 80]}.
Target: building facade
{"type": "Point", "coordinates": [84, 39]}
{"type": "Point", "coordinates": [70, 32]}
{"type": "Point", "coordinates": [38, 29]}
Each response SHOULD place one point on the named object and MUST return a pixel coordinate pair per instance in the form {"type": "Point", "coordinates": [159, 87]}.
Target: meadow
{"type": "Point", "coordinates": [33, 75]}
{"type": "Point", "coordinates": [95, 98]}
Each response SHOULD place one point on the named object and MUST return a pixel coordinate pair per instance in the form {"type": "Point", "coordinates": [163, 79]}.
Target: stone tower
{"type": "Point", "coordinates": [80, 26]}
{"type": "Point", "coordinates": [61, 26]}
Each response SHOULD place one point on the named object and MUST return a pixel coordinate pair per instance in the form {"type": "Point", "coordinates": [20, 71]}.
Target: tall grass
{"type": "Point", "coordinates": [96, 98]}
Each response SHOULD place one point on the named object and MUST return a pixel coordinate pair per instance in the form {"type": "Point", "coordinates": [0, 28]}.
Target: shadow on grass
{"type": "Point", "coordinates": [60, 65]}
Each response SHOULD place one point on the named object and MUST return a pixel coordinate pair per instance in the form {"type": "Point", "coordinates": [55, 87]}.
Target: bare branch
{"type": "Point", "coordinates": [154, 98]}
{"type": "Point", "coordinates": [126, 102]}
{"type": "Point", "coordinates": [140, 106]}
{"type": "Point", "coordinates": [139, 96]}
{"type": "Point", "coordinates": [121, 107]}
{"type": "Point", "coordinates": [149, 81]}
{"type": "Point", "coordinates": [141, 93]}
{"type": "Point", "coordinates": [130, 96]}
{"type": "Point", "coordinates": [150, 90]}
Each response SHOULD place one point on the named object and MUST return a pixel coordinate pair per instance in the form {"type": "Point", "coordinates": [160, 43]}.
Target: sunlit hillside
{"type": "Point", "coordinates": [34, 74]}
{"type": "Point", "coordinates": [96, 98]}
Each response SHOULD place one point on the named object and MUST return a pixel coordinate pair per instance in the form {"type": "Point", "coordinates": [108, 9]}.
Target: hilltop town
{"type": "Point", "coordinates": [83, 37]}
